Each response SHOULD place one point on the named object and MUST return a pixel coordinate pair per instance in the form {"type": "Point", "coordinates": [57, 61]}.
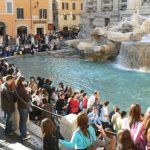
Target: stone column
{"type": "Point", "coordinates": [99, 5]}
{"type": "Point", "coordinates": [115, 4]}
{"type": "Point", "coordinates": [84, 6]}
{"type": "Point", "coordinates": [50, 12]}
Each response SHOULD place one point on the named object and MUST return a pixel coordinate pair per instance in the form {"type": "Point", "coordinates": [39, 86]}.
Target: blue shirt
{"type": "Point", "coordinates": [79, 140]}
{"type": "Point", "coordinates": [92, 118]}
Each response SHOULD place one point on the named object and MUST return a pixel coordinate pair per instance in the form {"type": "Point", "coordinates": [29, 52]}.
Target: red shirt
{"type": "Point", "coordinates": [84, 103]}
{"type": "Point", "coordinates": [74, 105]}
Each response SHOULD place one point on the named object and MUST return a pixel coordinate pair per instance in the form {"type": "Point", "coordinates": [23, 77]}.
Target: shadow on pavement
{"type": "Point", "coordinates": [5, 141]}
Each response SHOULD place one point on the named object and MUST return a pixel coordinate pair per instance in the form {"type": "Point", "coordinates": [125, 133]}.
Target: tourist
{"type": "Point", "coordinates": [47, 86]}
{"type": "Point", "coordinates": [23, 107]}
{"type": "Point", "coordinates": [92, 116]}
{"type": "Point", "coordinates": [140, 137]}
{"type": "Point", "coordinates": [54, 96]}
{"type": "Point", "coordinates": [105, 115]}
{"type": "Point", "coordinates": [83, 137]}
{"type": "Point", "coordinates": [135, 119]}
{"type": "Point", "coordinates": [1, 41]}
{"type": "Point", "coordinates": [83, 102]}
{"type": "Point", "coordinates": [93, 99]}
{"type": "Point", "coordinates": [40, 81]}
{"type": "Point", "coordinates": [74, 103]}
{"type": "Point", "coordinates": [44, 94]}
{"type": "Point", "coordinates": [18, 40]}
{"type": "Point", "coordinates": [33, 85]}
{"type": "Point", "coordinates": [125, 141]}
{"type": "Point", "coordinates": [8, 100]}
{"type": "Point", "coordinates": [116, 119]}
{"type": "Point", "coordinates": [48, 108]}
{"type": "Point", "coordinates": [81, 95]}
{"type": "Point", "coordinates": [61, 88]}
{"type": "Point", "coordinates": [124, 121]}
{"type": "Point", "coordinates": [36, 98]}
{"type": "Point", "coordinates": [61, 105]}
{"type": "Point", "coordinates": [68, 92]}
{"type": "Point", "coordinates": [50, 135]}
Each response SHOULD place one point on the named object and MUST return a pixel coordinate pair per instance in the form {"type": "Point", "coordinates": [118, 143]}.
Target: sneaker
{"type": "Point", "coordinates": [26, 138]}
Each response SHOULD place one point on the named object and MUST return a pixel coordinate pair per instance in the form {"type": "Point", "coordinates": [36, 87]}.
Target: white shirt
{"type": "Point", "coordinates": [104, 113]}
{"type": "Point", "coordinates": [91, 101]}
{"type": "Point", "coordinates": [125, 123]}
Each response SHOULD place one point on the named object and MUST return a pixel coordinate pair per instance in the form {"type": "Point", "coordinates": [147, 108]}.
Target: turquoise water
{"type": "Point", "coordinates": [118, 86]}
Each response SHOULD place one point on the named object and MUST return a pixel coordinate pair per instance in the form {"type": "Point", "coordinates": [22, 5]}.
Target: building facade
{"type": "Point", "coordinates": [67, 14]}
{"type": "Point", "coordinates": [102, 12]}
{"type": "Point", "coordinates": [25, 16]}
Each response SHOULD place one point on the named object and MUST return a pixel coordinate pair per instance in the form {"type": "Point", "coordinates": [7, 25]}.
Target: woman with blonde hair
{"type": "Point", "coordinates": [83, 137]}
{"type": "Point", "coordinates": [50, 135]}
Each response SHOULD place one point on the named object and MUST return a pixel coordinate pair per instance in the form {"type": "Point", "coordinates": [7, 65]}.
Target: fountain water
{"type": "Point", "coordinates": [135, 54]}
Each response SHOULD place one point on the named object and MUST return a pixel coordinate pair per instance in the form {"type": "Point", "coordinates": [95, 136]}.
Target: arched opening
{"type": "Point", "coordinates": [21, 30]}
{"type": "Point", "coordinates": [2, 29]}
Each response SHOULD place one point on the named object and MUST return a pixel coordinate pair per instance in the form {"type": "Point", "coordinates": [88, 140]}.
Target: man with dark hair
{"type": "Point", "coordinates": [61, 105]}
{"type": "Point", "coordinates": [8, 100]}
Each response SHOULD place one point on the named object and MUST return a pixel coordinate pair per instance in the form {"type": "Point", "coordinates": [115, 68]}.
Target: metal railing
{"type": "Point", "coordinates": [55, 117]}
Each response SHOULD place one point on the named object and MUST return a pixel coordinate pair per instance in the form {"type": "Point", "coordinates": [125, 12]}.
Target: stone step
{"type": "Point", "coordinates": [14, 142]}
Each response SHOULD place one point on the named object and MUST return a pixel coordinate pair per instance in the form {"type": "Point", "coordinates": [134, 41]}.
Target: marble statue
{"type": "Point", "coordinates": [98, 39]}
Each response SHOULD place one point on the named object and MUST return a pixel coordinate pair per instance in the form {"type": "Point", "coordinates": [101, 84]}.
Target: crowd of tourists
{"type": "Point", "coordinates": [28, 44]}
{"type": "Point", "coordinates": [98, 126]}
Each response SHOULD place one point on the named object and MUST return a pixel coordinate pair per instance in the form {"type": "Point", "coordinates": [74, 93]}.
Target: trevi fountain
{"type": "Point", "coordinates": [128, 41]}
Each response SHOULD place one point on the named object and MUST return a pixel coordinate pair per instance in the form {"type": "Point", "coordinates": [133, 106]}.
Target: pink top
{"type": "Point", "coordinates": [139, 137]}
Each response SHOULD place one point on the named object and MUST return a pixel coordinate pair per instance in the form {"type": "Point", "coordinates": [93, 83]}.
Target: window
{"type": "Point", "coordinates": [73, 17]}
{"type": "Point", "coordinates": [9, 7]}
{"type": "Point", "coordinates": [65, 6]}
{"type": "Point", "coordinates": [20, 13]}
{"type": "Point", "coordinates": [81, 6]}
{"type": "Point", "coordinates": [73, 6]}
{"type": "Point", "coordinates": [65, 17]}
{"type": "Point", "coordinates": [43, 13]}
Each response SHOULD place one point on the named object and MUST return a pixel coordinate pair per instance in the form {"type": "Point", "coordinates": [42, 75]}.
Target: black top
{"type": "Point", "coordinates": [23, 97]}
{"type": "Point", "coordinates": [8, 98]}
{"type": "Point", "coordinates": [60, 104]}
{"type": "Point", "coordinates": [51, 142]}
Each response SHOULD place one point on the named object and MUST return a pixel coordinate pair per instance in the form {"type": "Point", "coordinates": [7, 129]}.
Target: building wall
{"type": "Point", "coordinates": [31, 16]}
{"type": "Point", "coordinates": [96, 12]}
{"type": "Point", "coordinates": [69, 23]}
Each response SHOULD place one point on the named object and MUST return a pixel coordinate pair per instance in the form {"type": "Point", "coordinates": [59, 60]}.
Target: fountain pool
{"type": "Point", "coordinates": [118, 86]}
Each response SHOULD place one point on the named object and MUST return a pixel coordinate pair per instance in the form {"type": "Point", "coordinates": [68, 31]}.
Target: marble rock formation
{"type": "Point", "coordinates": [73, 43]}
{"type": "Point", "coordinates": [125, 30]}
{"type": "Point", "coordinates": [135, 55]}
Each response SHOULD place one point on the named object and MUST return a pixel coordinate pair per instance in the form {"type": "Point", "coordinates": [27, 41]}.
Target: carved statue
{"type": "Point", "coordinates": [125, 30]}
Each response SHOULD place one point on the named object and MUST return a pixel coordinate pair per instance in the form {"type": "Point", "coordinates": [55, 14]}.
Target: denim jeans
{"type": "Point", "coordinates": [8, 126]}
{"type": "Point", "coordinates": [23, 113]}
